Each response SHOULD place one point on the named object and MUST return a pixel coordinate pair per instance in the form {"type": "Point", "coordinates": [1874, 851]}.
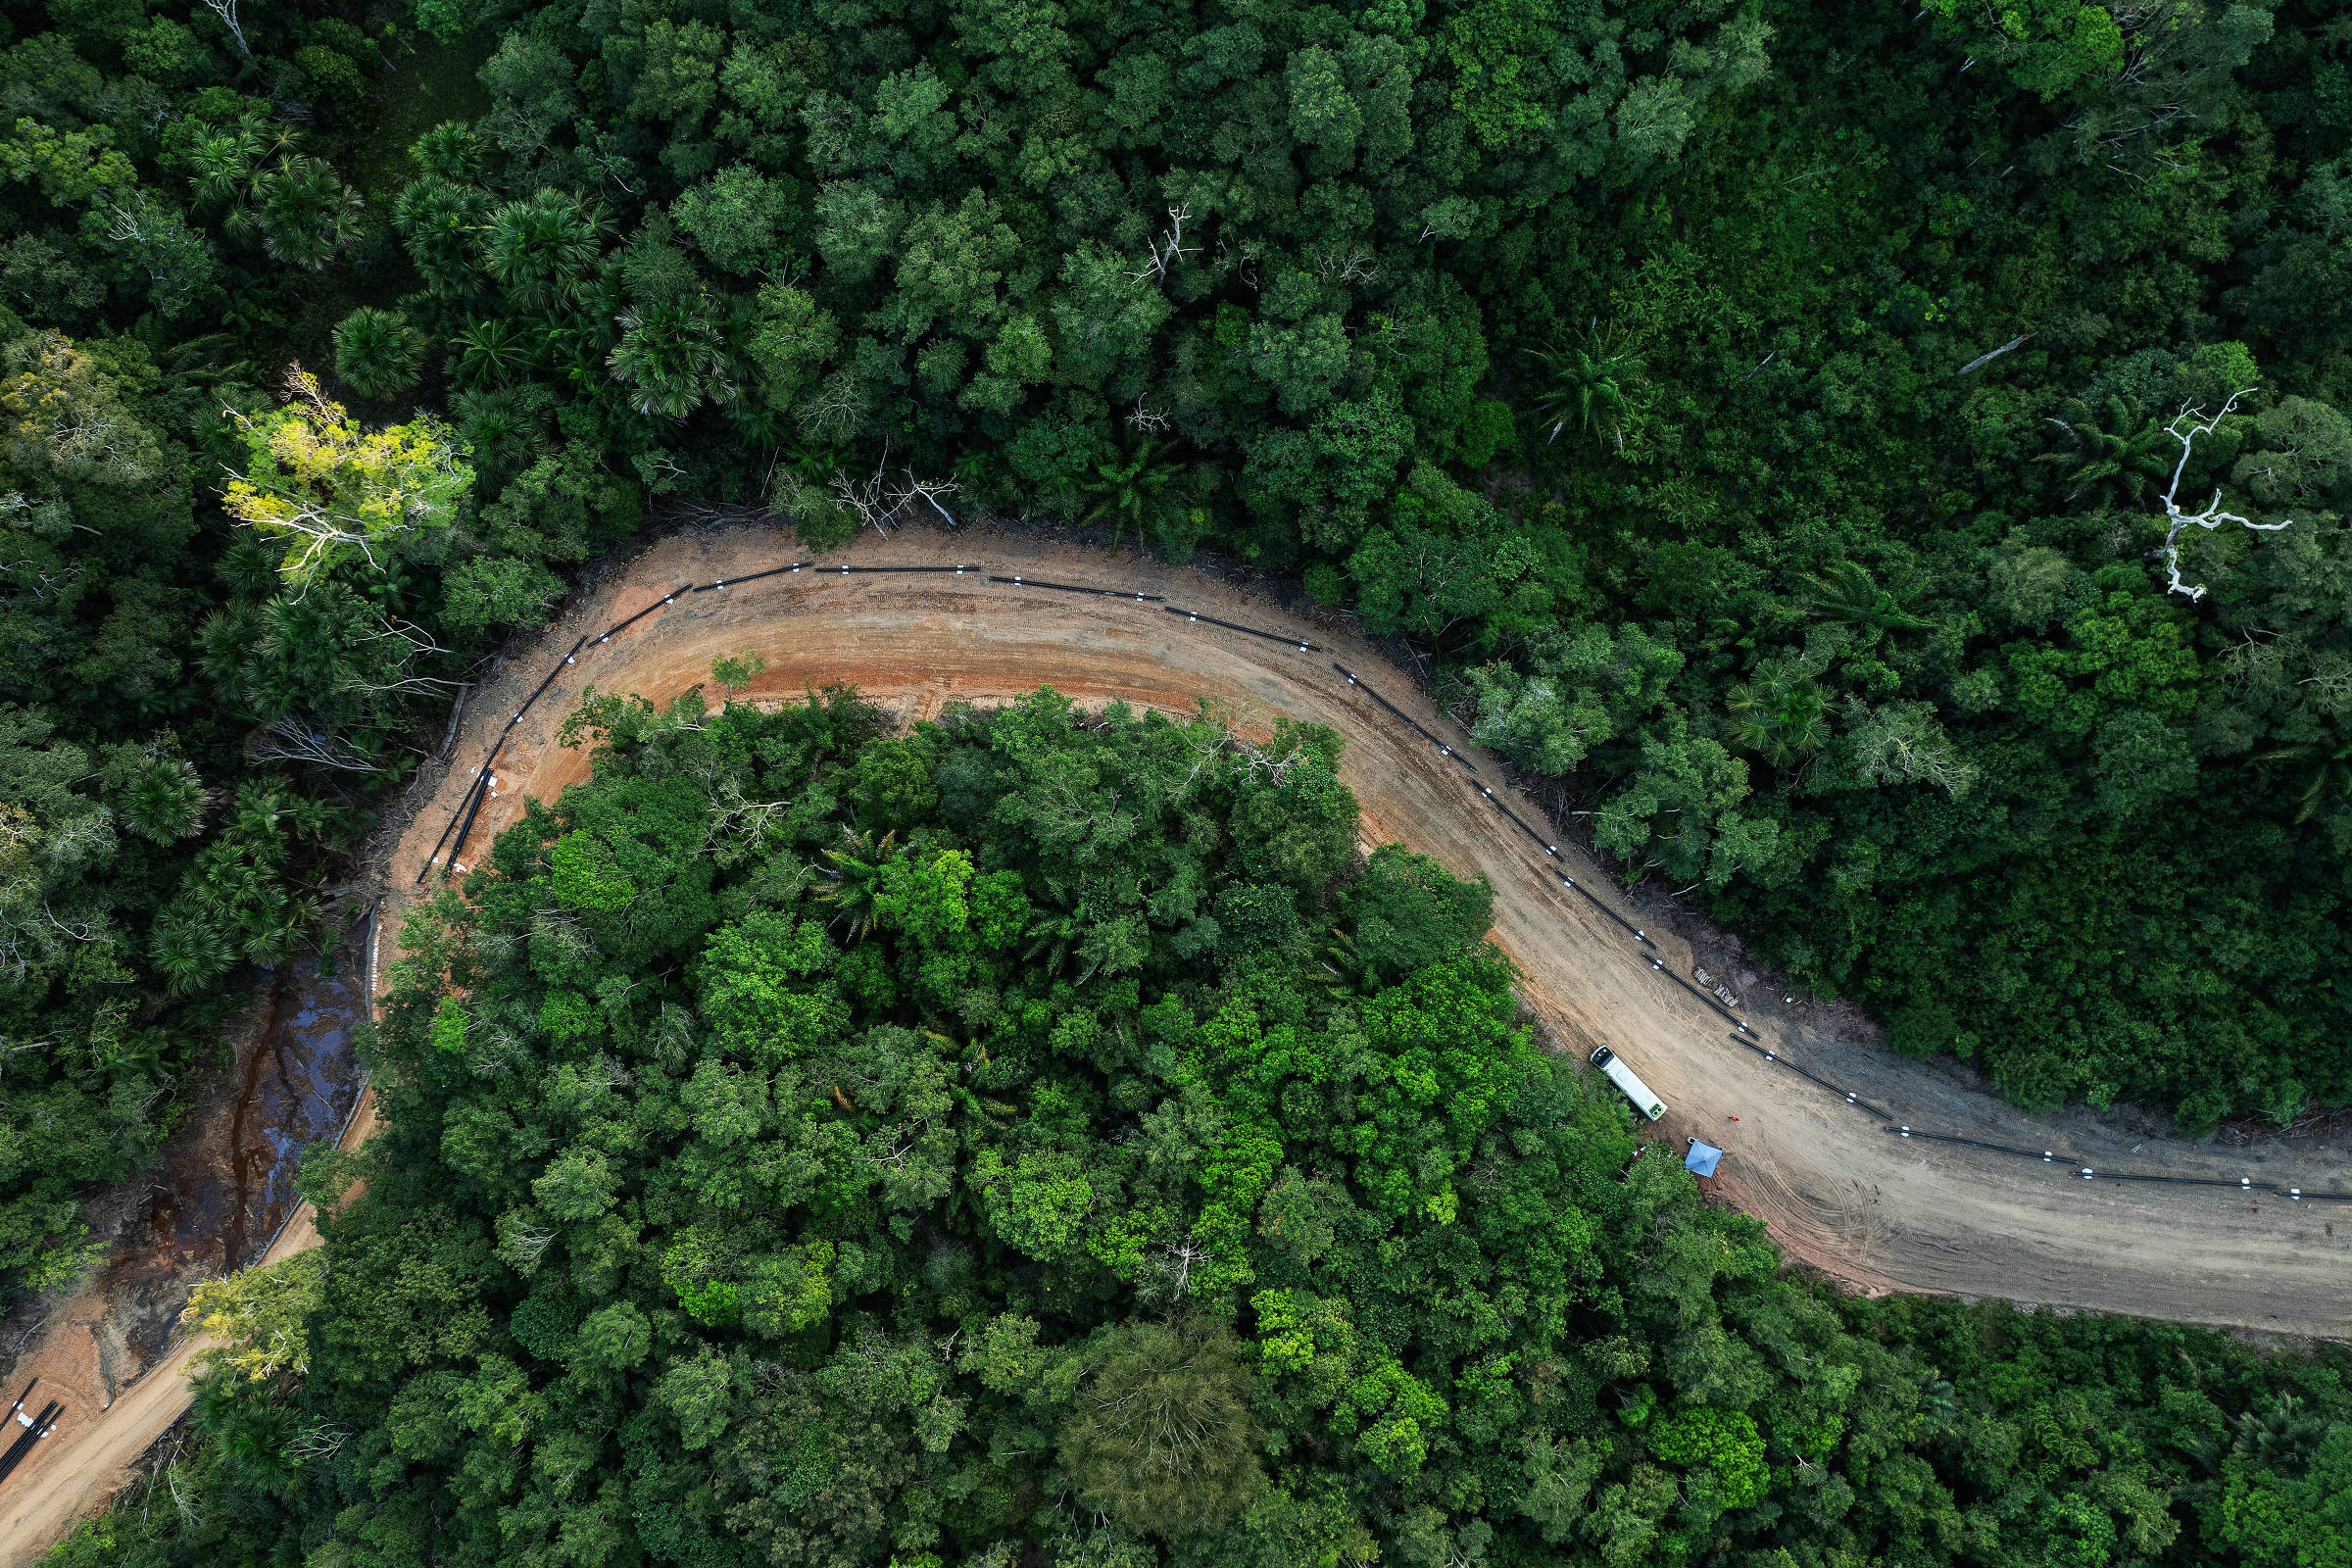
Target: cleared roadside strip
{"type": "Point", "coordinates": [469, 806]}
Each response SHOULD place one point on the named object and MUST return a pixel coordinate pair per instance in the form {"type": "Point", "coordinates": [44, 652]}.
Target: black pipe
{"type": "Point", "coordinates": [481, 791]}
{"type": "Point", "coordinates": [2047, 1156]}
{"type": "Point", "coordinates": [1708, 997]}
{"type": "Point", "coordinates": [550, 681]}
{"type": "Point", "coordinates": [1230, 625]}
{"type": "Point", "coordinates": [24, 1444]}
{"type": "Point", "coordinates": [1075, 588]}
{"type": "Point", "coordinates": [620, 626]}
{"type": "Point", "coordinates": [1442, 749]}
{"type": "Point", "coordinates": [1640, 935]}
{"type": "Point", "coordinates": [772, 571]}
{"type": "Point", "coordinates": [455, 812]}
{"type": "Point", "coordinates": [1771, 1056]}
{"type": "Point", "coordinates": [959, 572]}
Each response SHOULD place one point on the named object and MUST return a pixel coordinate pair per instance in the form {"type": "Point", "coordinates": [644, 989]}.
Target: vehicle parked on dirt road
{"type": "Point", "coordinates": [1644, 1098]}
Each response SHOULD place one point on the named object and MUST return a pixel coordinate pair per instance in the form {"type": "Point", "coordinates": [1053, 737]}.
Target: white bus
{"type": "Point", "coordinates": [1644, 1098]}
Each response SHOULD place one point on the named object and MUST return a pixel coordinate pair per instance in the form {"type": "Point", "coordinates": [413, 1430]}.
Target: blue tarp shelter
{"type": "Point", "coordinates": [1702, 1159]}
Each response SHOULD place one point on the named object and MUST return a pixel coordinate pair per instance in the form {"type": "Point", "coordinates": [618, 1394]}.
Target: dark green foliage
{"type": "Point", "coordinates": [188, 750]}
{"type": "Point", "coordinates": [377, 352]}
{"type": "Point", "coordinates": [1029, 1229]}
{"type": "Point", "coordinates": [1821, 366]}
{"type": "Point", "coordinates": [1408, 913]}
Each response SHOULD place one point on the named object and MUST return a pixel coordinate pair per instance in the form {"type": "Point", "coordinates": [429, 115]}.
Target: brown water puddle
{"type": "Point", "coordinates": [297, 1086]}
{"type": "Point", "coordinates": [217, 1190]}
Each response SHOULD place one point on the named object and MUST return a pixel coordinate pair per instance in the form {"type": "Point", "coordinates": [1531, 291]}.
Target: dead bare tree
{"type": "Point", "coordinates": [17, 1048]}
{"type": "Point", "coordinates": [835, 408]}
{"type": "Point", "coordinates": [1181, 1257]}
{"type": "Point", "coordinates": [1352, 263]}
{"type": "Point", "coordinates": [738, 825]}
{"type": "Point", "coordinates": [1976, 363]}
{"type": "Point", "coordinates": [401, 641]}
{"type": "Point", "coordinates": [524, 1239]}
{"type": "Point", "coordinates": [2330, 681]}
{"type": "Point", "coordinates": [1278, 762]}
{"type": "Point", "coordinates": [890, 1146]}
{"type": "Point", "coordinates": [40, 581]}
{"type": "Point", "coordinates": [1241, 261]}
{"type": "Point", "coordinates": [321, 1439]}
{"type": "Point", "coordinates": [606, 1071]}
{"type": "Point", "coordinates": [290, 739]}
{"type": "Point", "coordinates": [227, 11]}
{"type": "Point", "coordinates": [2188, 425]}
{"type": "Point", "coordinates": [1166, 251]}
{"type": "Point", "coordinates": [184, 1502]}
{"type": "Point", "coordinates": [880, 501]}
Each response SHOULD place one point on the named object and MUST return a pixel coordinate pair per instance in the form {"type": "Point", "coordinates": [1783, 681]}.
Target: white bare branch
{"type": "Point", "coordinates": [891, 1145]}
{"type": "Point", "coordinates": [227, 11]}
{"type": "Point", "coordinates": [928, 491]}
{"type": "Point", "coordinates": [184, 1501]}
{"type": "Point", "coordinates": [2188, 425]}
{"type": "Point", "coordinates": [880, 501]}
{"type": "Point", "coordinates": [1182, 1257]}
{"type": "Point", "coordinates": [79, 926]}
{"type": "Point", "coordinates": [607, 1072]}
{"type": "Point", "coordinates": [524, 1239]}
{"type": "Point", "coordinates": [1166, 251]}
{"type": "Point", "coordinates": [1982, 359]}
{"type": "Point", "coordinates": [1353, 264]}
{"type": "Point", "coordinates": [321, 1439]}
{"type": "Point", "coordinates": [290, 739]}
{"type": "Point", "coordinates": [738, 826]}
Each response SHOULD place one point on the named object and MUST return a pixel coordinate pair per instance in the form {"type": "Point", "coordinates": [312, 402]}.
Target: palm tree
{"type": "Point", "coordinates": [1052, 937]}
{"type": "Point", "coordinates": [223, 163]}
{"type": "Point", "coordinates": [672, 357]}
{"type": "Point", "coordinates": [2132, 453]}
{"type": "Point", "coordinates": [538, 248]}
{"type": "Point", "coordinates": [1779, 713]}
{"type": "Point", "coordinates": [490, 350]}
{"type": "Point", "coordinates": [504, 428]}
{"type": "Point", "coordinates": [1590, 384]}
{"type": "Point", "coordinates": [307, 213]}
{"type": "Point", "coordinates": [1849, 592]}
{"type": "Point", "coordinates": [189, 950]}
{"type": "Point", "coordinates": [1130, 492]}
{"type": "Point", "coordinates": [2282, 1437]}
{"type": "Point", "coordinates": [856, 877]}
{"type": "Point", "coordinates": [377, 352]}
{"type": "Point", "coordinates": [441, 224]}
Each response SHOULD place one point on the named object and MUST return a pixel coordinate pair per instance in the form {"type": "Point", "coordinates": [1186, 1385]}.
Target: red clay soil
{"type": "Point", "coordinates": [1840, 1192]}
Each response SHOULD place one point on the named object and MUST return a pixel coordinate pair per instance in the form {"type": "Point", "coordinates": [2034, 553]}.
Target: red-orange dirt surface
{"type": "Point", "coordinates": [1838, 1192]}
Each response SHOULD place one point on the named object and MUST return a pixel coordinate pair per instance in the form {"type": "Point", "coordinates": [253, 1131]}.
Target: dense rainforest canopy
{"type": "Point", "coordinates": [1767, 418]}
{"type": "Point", "coordinates": [1886, 462]}
{"type": "Point", "coordinates": [1040, 1139]}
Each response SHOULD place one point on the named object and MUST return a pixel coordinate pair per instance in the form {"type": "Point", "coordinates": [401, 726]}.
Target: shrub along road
{"type": "Point", "coordinates": [1840, 1192]}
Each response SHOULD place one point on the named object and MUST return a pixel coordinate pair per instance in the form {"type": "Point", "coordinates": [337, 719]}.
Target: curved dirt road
{"type": "Point", "coordinates": [1838, 1192]}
